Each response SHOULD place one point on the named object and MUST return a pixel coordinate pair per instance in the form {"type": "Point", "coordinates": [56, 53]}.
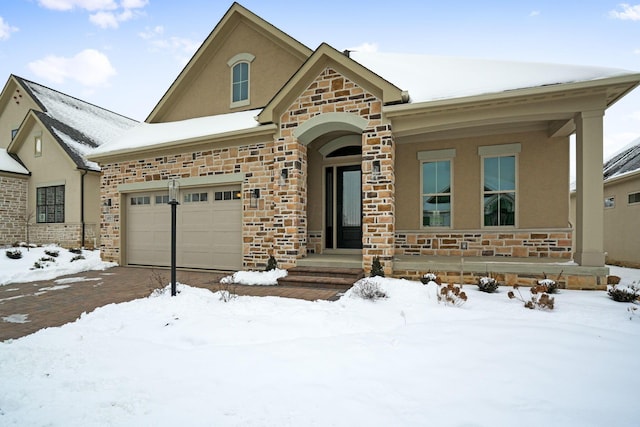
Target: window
{"type": "Point", "coordinates": [436, 194]}
{"type": "Point", "coordinates": [499, 186]}
{"type": "Point", "coordinates": [634, 198]}
{"type": "Point", "coordinates": [162, 200]}
{"type": "Point", "coordinates": [195, 197]}
{"type": "Point", "coordinates": [50, 204]}
{"type": "Point", "coordinates": [227, 195]}
{"type": "Point", "coordinates": [13, 133]}
{"type": "Point", "coordinates": [141, 200]}
{"type": "Point", "coordinates": [610, 202]}
{"type": "Point", "coordinates": [240, 82]}
{"type": "Point", "coordinates": [38, 146]}
{"type": "Point", "coordinates": [240, 75]}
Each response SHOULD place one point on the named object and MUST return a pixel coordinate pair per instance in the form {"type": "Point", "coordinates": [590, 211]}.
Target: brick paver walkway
{"type": "Point", "coordinates": [56, 302]}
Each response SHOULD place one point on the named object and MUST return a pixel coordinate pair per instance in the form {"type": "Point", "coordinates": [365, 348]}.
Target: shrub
{"type": "Point", "coordinates": [368, 289]}
{"type": "Point", "coordinates": [76, 258]}
{"type": "Point", "coordinates": [429, 277]}
{"type": "Point", "coordinates": [43, 262]}
{"type": "Point", "coordinates": [272, 264]}
{"type": "Point", "coordinates": [539, 298]}
{"type": "Point", "coordinates": [451, 294]}
{"type": "Point", "coordinates": [487, 284]}
{"type": "Point", "coordinates": [629, 294]}
{"type": "Point", "coordinates": [551, 285]}
{"type": "Point", "coordinates": [52, 252]}
{"type": "Point", "coordinates": [13, 253]}
{"type": "Point", "coordinates": [613, 280]}
{"type": "Point", "coordinates": [75, 251]}
{"type": "Point", "coordinates": [376, 268]}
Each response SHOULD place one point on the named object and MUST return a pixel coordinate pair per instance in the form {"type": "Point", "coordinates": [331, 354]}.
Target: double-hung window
{"type": "Point", "coordinates": [50, 204]}
{"type": "Point", "coordinates": [436, 187]}
{"type": "Point", "coordinates": [499, 184]}
{"type": "Point", "coordinates": [240, 66]}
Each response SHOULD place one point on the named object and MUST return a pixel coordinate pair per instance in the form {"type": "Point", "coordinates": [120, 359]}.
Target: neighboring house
{"type": "Point", "coordinates": [322, 157]}
{"type": "Point", "coordinates": [45, 179]}
{"type": "Point", "coordinates": [621, 207]}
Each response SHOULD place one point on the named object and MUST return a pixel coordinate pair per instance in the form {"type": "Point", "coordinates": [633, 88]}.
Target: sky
{"type": "Point", "coordinates": [124, 54]}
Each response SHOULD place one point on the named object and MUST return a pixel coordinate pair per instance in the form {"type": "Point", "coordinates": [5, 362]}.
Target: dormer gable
{"type": "Point", "coordinates": [240, 66]}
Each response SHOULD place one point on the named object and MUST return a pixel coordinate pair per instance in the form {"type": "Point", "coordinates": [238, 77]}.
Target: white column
{"type": "Point", "coordinates": [589, 192]}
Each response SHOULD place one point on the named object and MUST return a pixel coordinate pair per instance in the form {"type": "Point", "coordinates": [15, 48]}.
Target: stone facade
{"type": "Point", "coordinates": [253, 161]}
{"type": "Point", "coordinates": [331, 92]}
{"type": "Point", "coordinates": [67, 235]}
{"type": "Point", "coordinates": [13, 209]}
{"type": "Point", "coordinates": [517, 244]}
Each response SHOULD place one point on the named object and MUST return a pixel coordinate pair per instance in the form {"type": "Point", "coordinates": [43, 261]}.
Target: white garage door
{"type": "Point", "coordinates": [208, 232]}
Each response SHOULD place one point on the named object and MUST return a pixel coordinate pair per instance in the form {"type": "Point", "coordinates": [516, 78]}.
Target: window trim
{"type": "Point", "coordinates": [432, 156]}
{"type": "Point", "coordinates": [629, 203]}
{"type": "Point", "coordinates": [240, 58]}
{"type": "Point", "coordinates": [493, 152]}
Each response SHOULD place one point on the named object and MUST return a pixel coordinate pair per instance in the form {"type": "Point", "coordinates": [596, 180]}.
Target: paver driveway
{"type": "Point", "coordinates": [28, 307]}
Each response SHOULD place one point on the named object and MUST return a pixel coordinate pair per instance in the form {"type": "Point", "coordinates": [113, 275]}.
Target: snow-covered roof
{"type": "Point", "coordinates": [77, 125]}
{"type": "Point", "coordinates": [623, 163]}
{"type": "Point", "coordinates": [429, 78]}
{"type": "Point", "coordinates": [153, 134]}
{"type": "Point", "coordinates": [10, 164]}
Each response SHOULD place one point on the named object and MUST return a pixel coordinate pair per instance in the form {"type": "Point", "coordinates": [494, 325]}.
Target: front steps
{"type": "Point", "coordinates": [322, 277]}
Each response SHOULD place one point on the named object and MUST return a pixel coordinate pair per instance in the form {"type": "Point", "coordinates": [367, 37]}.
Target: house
{"type": "Point", "coordinates": [47, 186]}
{"type": "Point", "coordinates": [621, 176]}
{"type": "Point", "coordinates": [323, 157]}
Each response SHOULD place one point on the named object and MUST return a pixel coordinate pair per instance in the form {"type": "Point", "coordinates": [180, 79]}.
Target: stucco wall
{"type": "Point", "coordinates": [16, 108]}
{"type": "Point", "coordinates": [622, 224]}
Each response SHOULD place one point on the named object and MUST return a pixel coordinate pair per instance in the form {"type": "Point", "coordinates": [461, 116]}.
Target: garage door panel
{"type": "Point", "coordinates": [209, 231]}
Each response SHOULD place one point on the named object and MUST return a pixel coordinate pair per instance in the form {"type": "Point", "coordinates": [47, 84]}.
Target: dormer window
{"type": "Point", "coordinates": [240, 66]}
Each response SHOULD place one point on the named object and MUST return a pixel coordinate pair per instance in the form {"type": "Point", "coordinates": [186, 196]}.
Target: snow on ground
{"type": "Point", "coordinates": [405, 360]}
{"type": "Point", "coordinates": [21, 270]}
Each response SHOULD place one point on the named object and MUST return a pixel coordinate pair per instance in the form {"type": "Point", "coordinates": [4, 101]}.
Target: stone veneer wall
{"type": "Point", "coordinates": [517, 244]}
{"type": "Point", "coordinates": [253, 160]}
{"type": "Point", "coordinates": [66, 235]}
{"type": "Point", "coordinates": [331, 92]}
{"type": "Point", "coordinates": [13, 208]}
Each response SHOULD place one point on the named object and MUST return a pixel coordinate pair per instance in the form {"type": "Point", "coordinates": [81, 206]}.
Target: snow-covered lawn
{"type": "Point", "coordinates": [21, 270]}
{"type": "Point", "coordinates": [405, 360]}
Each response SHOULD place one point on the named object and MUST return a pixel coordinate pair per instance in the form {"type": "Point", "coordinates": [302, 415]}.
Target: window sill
{"type": "Point", "coordinates": [238, 104]}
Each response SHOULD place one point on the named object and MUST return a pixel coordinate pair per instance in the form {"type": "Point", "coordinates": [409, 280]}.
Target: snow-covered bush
{"type": "Point", "coordinates": [487, 284]}
{"type": "Point", "coordinates": [429, 277]}
{"type": "Point", "coordinates": [76, 258]}
{"type": "Point", "coordinates": [451, 294]}
{"type": "Point", "coordinates": [539, 298]}
{"type": "Point", "coordinates": [75, 251]}
{"type": "Point", "coordinates": [550, 285]}
{"type": "Point", "coordinates": [52, 252]}
{"type": "Point", "coordinates": [13, 253]}
{"type": "Point", "coordinates": [367, 288]}
{"type": "Point", "coordinates": [43, 262]}
{"type": "Point", "coordinates": [629, 294]}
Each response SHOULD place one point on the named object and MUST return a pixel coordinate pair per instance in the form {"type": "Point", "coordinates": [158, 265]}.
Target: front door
{"type": "Point", "coordinates": [345, 208]}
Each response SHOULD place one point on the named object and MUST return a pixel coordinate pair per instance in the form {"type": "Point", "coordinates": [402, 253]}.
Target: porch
{"type": "Point", "coordinates": [508, 270]}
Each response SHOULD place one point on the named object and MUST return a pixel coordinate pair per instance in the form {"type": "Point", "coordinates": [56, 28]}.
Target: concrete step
{"type": "Point", "coordinates": [354, 273]}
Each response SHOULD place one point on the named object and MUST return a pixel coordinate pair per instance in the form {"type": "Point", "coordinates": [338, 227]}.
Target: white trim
{"type": "Point", "coordinates": [433, 155]}
{"type": "Point", "coordinates": [241, 57]}
{"type": "Point", "coordinates": [198, 181]}
{"type": "Point", "coordinates": [499, 150]}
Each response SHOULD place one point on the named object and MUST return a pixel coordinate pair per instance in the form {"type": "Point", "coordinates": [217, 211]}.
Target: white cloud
{"type": "Point", "coordinates": [150, 33]}
{"type": "Point", "coordinates": [89, 5]}
{"type": "Point", "coordinates": [637, 51]}
{"type": "Point", "coordinates": [182, 49]}
{"type": "Point", "coordinates": [365, 47]}
{"type": "Point", "coordinates": [534, 13]}
{"type": "Point", "coordinates": [90, 68]}
{"type": "Point", "coordinates": [6, 29]}
{"type": "Point", "coordinates": [629, 12]}
{"type": "Point", "coordinates": [107, 13]}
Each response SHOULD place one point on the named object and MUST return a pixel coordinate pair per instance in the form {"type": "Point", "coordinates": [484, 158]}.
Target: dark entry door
{"type": "Point", "coordinates": [348, 207]}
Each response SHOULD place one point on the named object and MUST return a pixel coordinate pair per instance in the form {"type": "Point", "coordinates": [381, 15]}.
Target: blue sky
{"type": "Point", "coordinates": [124, 54]}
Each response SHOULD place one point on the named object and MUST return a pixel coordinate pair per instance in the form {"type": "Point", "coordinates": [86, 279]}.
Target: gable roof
{"type": "Point", "coordinates": [625, 162]}
{"type": "Point", "coordinates": [430, 78]}
{"type": "Point", "coordinates": [236, 13]}
{"type": "Point", "coordinates": [76, 125]}
{"type": "Point", "coordinates": [10, 163]}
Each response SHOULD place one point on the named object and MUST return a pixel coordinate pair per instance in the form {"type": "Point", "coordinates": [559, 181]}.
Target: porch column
{"type": "Point", "coordinates": [589, 192]}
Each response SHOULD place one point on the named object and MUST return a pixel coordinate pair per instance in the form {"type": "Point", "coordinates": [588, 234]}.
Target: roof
{"type": "Point", "coordinates": [78, 126]}
{"type": "Point", "coordinates": [430, 78]}
{"type": "Point", "coordinates": [625, 162]}
{"type": "Point", "coordinates": [9, 163]}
